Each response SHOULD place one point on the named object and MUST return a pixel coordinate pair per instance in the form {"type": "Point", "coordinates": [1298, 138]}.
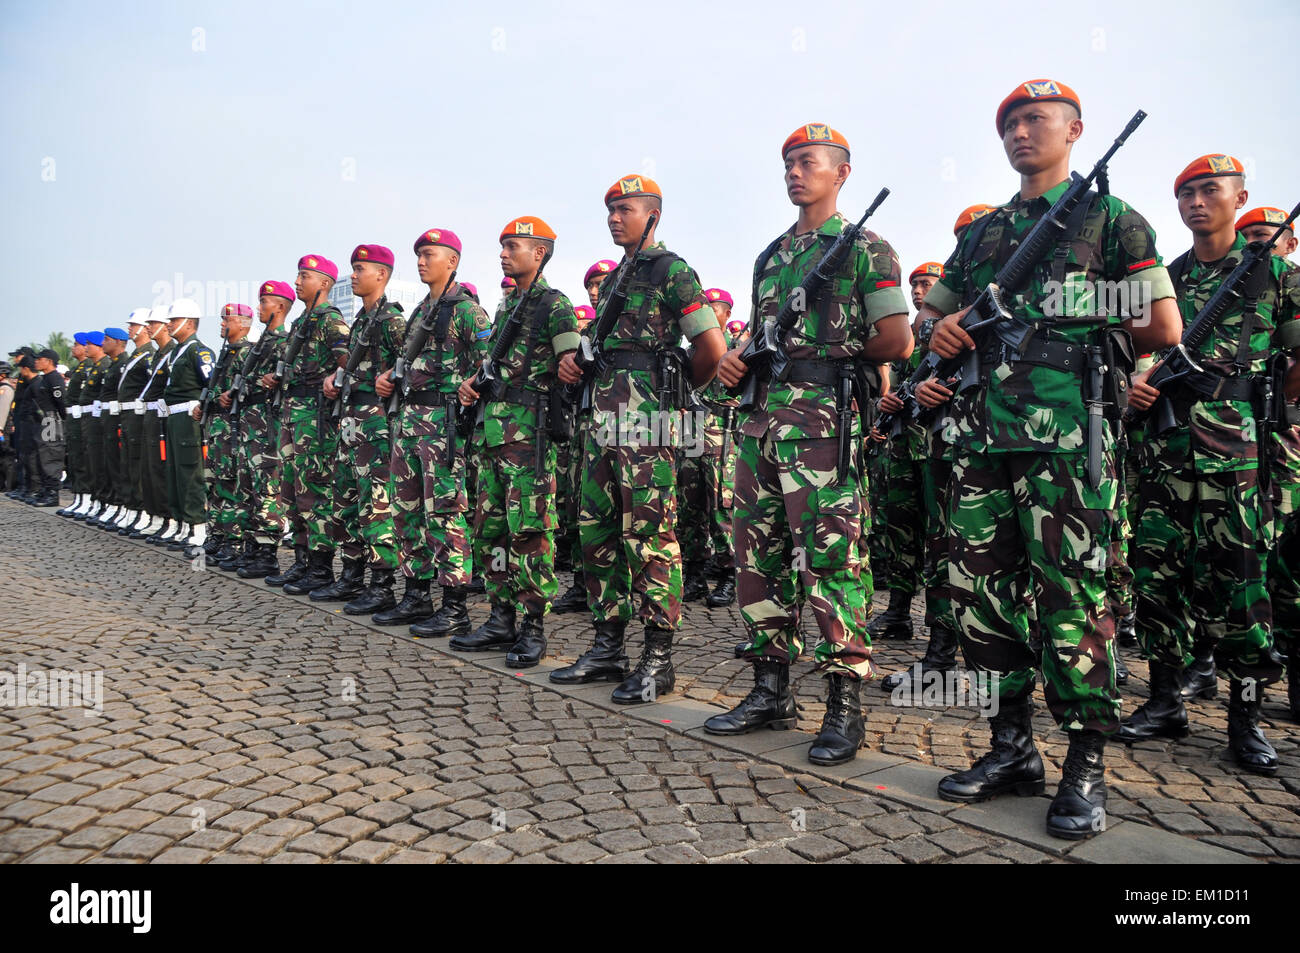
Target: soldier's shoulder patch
{"type": "Point", "coordinates": [205, 356]}
{"type": "Point", "coordinates": [395, 307]}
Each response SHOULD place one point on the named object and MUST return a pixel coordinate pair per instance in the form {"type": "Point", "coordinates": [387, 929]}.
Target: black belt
{"type": "Point", "coordinates": [1060, 355]}
{"type": "Point", "coordinates": [824, 373]}
{"type": "Point", "coordinates": [303, 390]}
{"type": "Point", "coordinates": [1212, 385]}
{"type": "Point", "coordinates": [517, 395]}
{"type": "Point", "coordinates": [255, 397]}
{"type": "Point", "coordinates": [364, 398]}
{"type": "Point", "coordinates": [626, 360]}
{"type": "Point", "coordinates": [426, 398]}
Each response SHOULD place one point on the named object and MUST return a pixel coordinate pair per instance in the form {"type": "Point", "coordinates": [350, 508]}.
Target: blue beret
{"type": "Point", "coordinates": [117, 334]}
{"type": "Point", "coordinates": [80, 338]}
{"type": "Point", "coordinates": [95, 337]}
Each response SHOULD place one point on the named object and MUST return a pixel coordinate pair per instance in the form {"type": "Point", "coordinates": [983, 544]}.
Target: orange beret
{"type": "Point", "coordinates": [1037, 90]}
{"type": "Point", "coordinates": [527, 226]}
{"type": "Point", "coordinates": [814, 134]}
{"type": "Point", "coordinates": [1264, 215]}
{"type": "Point", "coordinates": [932, 268]}
{"type": "Point", "coordinates": [633, 185]}
{"type": "Point", "coordinates": [968, 215]}
{"type": "Point", "coordinates": [1208, 167]}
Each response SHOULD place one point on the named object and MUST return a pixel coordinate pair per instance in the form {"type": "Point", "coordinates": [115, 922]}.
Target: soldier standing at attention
{"type": "Point", "coordinates": [630, 556]}
{"type": "Point", "coordinates": [135, 375]}
{"type": "Point", "coordinates": [153, 482]}
{"type": "Point", "coordinates": [72, 427]}
{"type": "Point", "coordinates": [258, 435]}
{"type": "Point", "coordinates": [567, 501]}
{"type": "Point", "coordinates": [514, 521]}
{"type": "Point", "coordinates": [791, 497]}
{"type": "Point", "coordinates": [1024, 514]}
{"type": "Point", "coordinates": [109, 451]}
{"type": "Point", "coordinates": [308, 439]}
{"type": "Point", "coordinates": [92, 427]}
{"type": "Point", "coordinates": [362, 488]}
{"type": "Point", "coordinates": [720, 474]}
{"type": "Point", "coordinates": [430, 497]}
{"type": "Point", "coordinates": [1204, 517]}
{"type": "Point", "coordinates": [46, 399]}
{"type": "Point", "coordinates": [226, 514]}
{"type": "Point", "coordinates": [189, 371]}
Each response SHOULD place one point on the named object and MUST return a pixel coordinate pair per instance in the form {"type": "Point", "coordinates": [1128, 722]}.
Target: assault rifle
{"type": "Point", "coordinates": [301, 332]}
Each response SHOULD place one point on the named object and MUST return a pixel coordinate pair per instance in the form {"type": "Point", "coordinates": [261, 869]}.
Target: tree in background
{"type": "Point", "coordinates": [59, 343]}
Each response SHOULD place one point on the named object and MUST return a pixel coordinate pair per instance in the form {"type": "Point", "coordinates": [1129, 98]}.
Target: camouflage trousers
{"type": "Point", "coordinates": [430, 499]}
{"type": "Point", "coordinates": [514, 525]}
{"type": "Point", "coordinates": [630, 555]}
{"type": "Point", "coordinates": [1199, 562]}
{"type": "Point", "coordinates": [874, 477]}
{"type": "Point", "coordinates": [937, 475]}
{"type": "Point", "coordinates": [572, 496]}
{"type": "Point", "coordinates": [797, 540]}
{"type": "Point", "coordinates": [1284, 584]}
{"type": "Point", "coordinates": [258, 483]}
{"type": "Point", "coordinates": [308, 458]}
{"type": "Point", "coordinates": [362, 488]}
{"type": "Point", "coordinates": [1029, 525]}
{"type": "Point", "coordinates": [1119, 572]}
{"type": "Point", "coordinates": [225, 509]}
{"type": "Point", "coordinates": [705, 490]}
{"type": "Point", "coordinates": [902, 542]}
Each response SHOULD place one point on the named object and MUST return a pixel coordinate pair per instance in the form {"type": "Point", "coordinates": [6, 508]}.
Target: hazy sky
{"type": "Point", "coordinates": [218, 142]}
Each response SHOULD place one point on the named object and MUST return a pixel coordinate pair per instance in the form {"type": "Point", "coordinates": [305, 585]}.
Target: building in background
{"type": "Point", "coordinates": [406, 293]}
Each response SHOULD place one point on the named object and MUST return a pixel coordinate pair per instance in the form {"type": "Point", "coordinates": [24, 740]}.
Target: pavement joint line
{"type": "Point", "coordinates": [1170, 847]}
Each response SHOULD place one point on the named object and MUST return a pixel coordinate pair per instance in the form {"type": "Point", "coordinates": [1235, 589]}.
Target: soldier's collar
{"type": "Point", "coordinates": [1049, 197]}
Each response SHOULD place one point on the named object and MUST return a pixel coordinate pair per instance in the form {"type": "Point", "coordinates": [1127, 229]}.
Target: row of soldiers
{"type": "Point", "coordinates": [1025, 534]}
{"type": "Point", "coordinates": [31, 425]}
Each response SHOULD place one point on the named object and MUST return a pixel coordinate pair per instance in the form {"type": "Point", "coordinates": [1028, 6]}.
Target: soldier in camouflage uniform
{"type": "Point", "coordinates": [903, 541]}
{"type": "Point", "coordinates": [1024, 513]}
{"type": "Point", "coordinates": [362, 488]}
{"type": "Point", "coordinates": [1284, 557]}
{"type": "Point", "coordinates": [135, 375]}
{"type": "Point", "coordinates": [430, 498]}
{"type": "Point", "coordinates": [1204, 511]}
{"type": "Point", "coordinates": [514, 520]}
{"type": "Point", "coordinates": [798, 517]}
{"type": "Point", "coordinates": [226, 542]}
{"type": "Point", "coordinates": [308, 436]}
{"type": "Point", "coordinates": [630, 555]}
{"type": "Point", "coordinates": [567, 498]}
{"type": "Point", "coordinates": [72, 427]}
{"type": "Point", "coordinates": [258, 440]}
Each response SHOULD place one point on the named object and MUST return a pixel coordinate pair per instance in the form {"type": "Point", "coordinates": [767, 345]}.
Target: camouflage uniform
{"type": "Point", "coordinates": [258, 483]}
{"type": "Point", "coordinates": [629, 499]}
{"type": "Point", "coordinates": [227, 514]}
{"type": "Point", "coordinates": [430, 497]}
{"type": "Point", "coordinates": [1024, 519]}
{"type": "Point", "coordinates": [1203, 521]}
{"type": "Point", "coordinates": [362, 489]}
{"type": "Point", "coordinates": [798, 528]}
{"type": "Point", "coordinates": [514, 520]}
{"type": "Point", "coordinates": [902, 499]}
{"type": "Point", "coordinates": [308, 438]}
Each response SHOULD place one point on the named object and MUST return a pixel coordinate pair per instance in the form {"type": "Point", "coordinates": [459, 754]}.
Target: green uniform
{"type": "Point", "coordinates": [514, 520]}
{"type": "Point", "coordinates": [228, 515]}
{"type": "Point", "coordinates": [258, 483]}
{"type": "Point", "coordinates": [798, 526]}
{"type": "Point", "coordinates": [153, 471]}
{"type": "Point", "coordinates": [706, 475]}
{"type": "Point", "coordinates": [110, 417]}
{"type": "Point", "coordinates": [135, 375]}
{"type": "Point", "coordinates": [902, 498]}
{"type": "Point", "coordinates": [188, 372]}
{"type": "Point", "coordinates": [1204, 523]}
{"type": "Point", "coordinates": [430, 496]}
{"type": "Point", "coordinates": [92, 427]}
{"type": "Point", "coordinates": [1026, 523]}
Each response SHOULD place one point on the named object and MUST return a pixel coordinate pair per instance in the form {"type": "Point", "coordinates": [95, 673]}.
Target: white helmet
{"type": "Point", "coordinates": [184, 308]}
{"type": "Point", "coordinates": [156, 315]}
{"type": "Point", "coordinates": [138, 316]}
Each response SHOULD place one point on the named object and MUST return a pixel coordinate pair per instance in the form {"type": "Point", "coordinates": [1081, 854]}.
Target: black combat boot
{"type": "Point", "coordinates": [376, 597]}
{"type": "Point", "coordinates": [167, 528]}
{"type": "Point", "coordinates": [451, 620]}
{"type": "Point", "coordinates": [1249, 747]}
{"type": "Point", "coordinates": [724, 593]}
{"type": "Point", "coordinates": [896, 621]}
{"type": "Point", "coordinates": [940, 656]}
{"type": "Point", "coordinates": [413, 607]}
{"type": "Point", "coordinates": [769, 704]}
{"type": "Point", "coordinates": [216, 547]}
{"type": "Point", "coordinates": [1293, 683]}
{"type": "Point", "coordinates": [1079, 808]}
{"type": "Point", "coordinates": [695, 585]}
{"type": "Point", "coordinates": [1126, 630]}
{"type": "Point", "coordinates": [1121, 670]}
{"type": "Point", "coordinates": [1201, 678]}
{"type": "Point", "coordinates": [842, 731]}
{"type": "Point", "coordinates": [604, 661]}
{"type": "Point", "coordinates": [476, 586]}
{"type": "Point", "coordinates": [237, 556]}
{"type": "Point", "coordinates": [1011, 764]}
{"type": "Point", "coordinates": [260, 563]}
{"type": "Point", "coordinates": [1163, 714]}
{"type": "Point", "coordinates": [296, 571]}
{"type": "Point", "coordinates": [497, 634]}
{"type": "Point", "coordinates": [48, 498]}
{"type": "Point", "coordinates": [574, 598]}
{"type": "Point", "coordinates": [347, 586]}
{"type": "Point", "coordinates": [653, 675]}
{"type": "Point", "coordinates": [320, 573]}
{"type": "Point", "coordinates": [530, 647]}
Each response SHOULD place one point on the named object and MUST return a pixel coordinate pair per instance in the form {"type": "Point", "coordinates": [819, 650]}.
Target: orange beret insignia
{"type": "Point", "coordinates": [631, 184]}
{"type": "Point", "coordinates": [1222, 164]}
{"type": "Point", "coordinates": [818, 132]}
{"type": "Point", "coordinates": [1044, 87]}
{"type": "Point", "coordinates": [523, 228]}
{"type": "Point", "coordinates": [980, 213]}
{"type": "Point", "coordinates": [933, 269]}
{"type": "Point", "coordinates": [1274, 216]}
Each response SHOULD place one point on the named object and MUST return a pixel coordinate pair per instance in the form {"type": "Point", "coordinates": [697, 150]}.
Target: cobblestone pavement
{"type": "Point", "coordinates": [243, 725]}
